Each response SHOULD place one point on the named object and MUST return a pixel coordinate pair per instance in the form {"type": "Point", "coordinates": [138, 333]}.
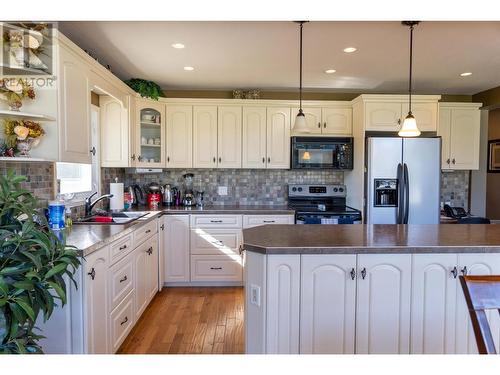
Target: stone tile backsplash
{"type": "Point", "coordinates": [455, 188]}
{"type": "Point", "coordinates": [245, 186]}
{"type": "Point", "coordinates": [40, 177]}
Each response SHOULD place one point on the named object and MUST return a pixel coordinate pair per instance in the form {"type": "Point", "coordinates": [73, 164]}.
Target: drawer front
{"type": "Point", "coordinates": [120, 248]}
{"type": "Point", "coordinates": [216, 221]}
{"type": "Point", "coordinates": [250, 221]}
{"type": "Point", "coordinates": [122, 321]}
{"type": "Point", "coordinates": [122, 280]}
{"type": "Point", "coordinates": [144, 232]}
{"type": "Point", "coordinates": [215, 241]}
{"type": "Point", "coordinates": [216, 268]}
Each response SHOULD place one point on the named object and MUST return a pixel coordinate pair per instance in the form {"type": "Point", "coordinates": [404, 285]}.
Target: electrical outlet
{"type": "Point", "coordinates": [255, 295]}
{"type": "Point", "coordinates": [222, 190]}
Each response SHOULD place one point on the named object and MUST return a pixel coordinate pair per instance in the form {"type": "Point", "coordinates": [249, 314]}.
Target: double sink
{"type": "Point", "coordinates": [112, 218]}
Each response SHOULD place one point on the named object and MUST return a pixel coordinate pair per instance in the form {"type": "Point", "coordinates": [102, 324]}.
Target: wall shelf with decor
{"type": "Point", "coordinates": [26, 160]}
{"type": "Point", "coordinates": [25, 115]}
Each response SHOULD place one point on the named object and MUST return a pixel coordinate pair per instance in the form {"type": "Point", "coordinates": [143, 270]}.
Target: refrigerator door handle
{"type": "Point", "coordinates": [406, 178]}
{"type": "Point", "coordinates": [400, 182]}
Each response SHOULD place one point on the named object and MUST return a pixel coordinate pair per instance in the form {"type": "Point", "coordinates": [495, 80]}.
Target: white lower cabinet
{"type": "Point", "coordinates": [328, 304]}
{"type": "Point", "coordinates": [434, 303]}
{"type": "Point", "coordinates": [177, 254]}
{"type": "Point", "coordinates": [146, 268]}
{"type": "Point", "coordinates": [283, 304]}
{"type": "Point", "coordinates": [216, 268]}
{"type": "Point", "coordinates": [96, 302]}
{"type": "Point", "coordinates": [383, 304]}
{"type": "Point", "coordinates": [122, 321]}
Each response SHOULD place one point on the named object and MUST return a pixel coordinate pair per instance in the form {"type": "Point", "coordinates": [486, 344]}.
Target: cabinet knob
{"type": "Point", "coordinates": [464, 271]}
{"type": "Point", "coordinates": [139, 158]}
{"type": "Point", "coordinates": [319, 125]}
{"type": "Point", "coordinates": [324, 124]}
{"type": "Point", "coordinates": [448, 161]}
{"type": "Point", "coordinates": [220, 159]}
{"type": "Point", "coordinates": [241, 249]}
{"type": "Point", "coordinates": [92, 273]}
{"type": "Point", "coordinates": [363, 273]}
{"type": "Point", "coordinates": [93, 151]}
{"type": "Point", "coordinates": [399, 121]}
{"type": "Point", "coordinates": [268, 160]}
{"type": "Point", "coordinates": [454, 272]}
{"type": "Point", "coordinates": [214, 159]}
{"type": "Point", "coordinates": [453, 161]}
{"type": "Point", "coordinates": [168, 159]}
{"type": "Point", "coordinates": [263, 160]}
{"type": "Point", "coordinates": [353, 274]}
{"type": "Point", "coordinates": [162, 227]}
{"type": "Point", "coordinates": [132, 157]}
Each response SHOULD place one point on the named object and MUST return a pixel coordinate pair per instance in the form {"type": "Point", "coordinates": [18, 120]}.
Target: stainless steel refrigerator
{"type": "Point", "coordinates": [403, 180]}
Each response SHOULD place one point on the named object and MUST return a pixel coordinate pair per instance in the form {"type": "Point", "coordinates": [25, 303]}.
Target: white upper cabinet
{"type": "Point", "coordinates": [383, 304]}
{"type": "Point", "coordinates": [229, 137]}
{"type": "Point", "coordinates": [434, 303]}
{"type": "Point", "coordinates": [278, 137]}
{"type": "Point", "coordinates": [313, 119]}
{"type": "Point", "coordinates": [426, 115]}
{"type": "Point", "coordinates": [459, 127]}
{"type": "Point", "coordinates": [74, 109]}
{"type": "Point", "coordinates": [205, 136]}
{"type": "Point", "coordinates": [328, 304]}
{"type": "Point", "coordinates": [179, 138]}
{"type": "Point", "coordinates": [150, 133]}
{"type": "Point", "coordinates": [336, 121]}
{"type": "Point", "coordinates": [382, 116]}
{"type": "Point", "coordinates": [114, 133]}
{"type": "Point", "coordinates": [254, 137]}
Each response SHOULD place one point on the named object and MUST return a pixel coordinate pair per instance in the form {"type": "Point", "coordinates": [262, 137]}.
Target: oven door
{"type": "Point", "coordinates": [321, 153]}
{"type": "Point", "coordinates": [326, 218]}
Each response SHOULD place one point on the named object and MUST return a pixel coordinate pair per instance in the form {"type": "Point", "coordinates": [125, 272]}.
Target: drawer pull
{"type": "Point", "coordinates": [454, 272]}
{"type": "Point", "coordinates": [363, 273]}
{"type": "Point", "coordinates": [215, 268]}
{"type": "Point", "coordinates": [92, 273]}
{"type": "Point", "coordinates": [148, 231]}
{"type": "Point", "coordinates": [123, 247]}
{"type": "Point", "coordinates": [241, 249]}
{"type": "Point", "coordinates": [124, 279]}
{"type": "Point", "coordinates": [353, 274]}
{"type": "Point", "coordinates": [216, 221]}
{"type": "Point", "coordinates": [124, 321]}
{"type": "Point", "coordinates": [218, 243]}
{"type": "Point", "coordinates": [268, 221]}
{"type": "Point", "coordinates": [149, 251]}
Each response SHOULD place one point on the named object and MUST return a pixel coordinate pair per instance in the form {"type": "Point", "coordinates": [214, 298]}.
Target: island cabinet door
{"type": "Point", "coordinates": [433, 305]}
{"type": "Point", "coordinates": [474, 264]}
{"type": "Point", "coordinates": [328, 304]}
{"type": "Point", "coordinates": [283, 291]}
{"type": "Point", "coordinates": [383, 304]}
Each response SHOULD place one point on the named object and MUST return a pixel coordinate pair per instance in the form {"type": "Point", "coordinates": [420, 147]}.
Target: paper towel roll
{"type": "Point", "coordinates": [116, 201]}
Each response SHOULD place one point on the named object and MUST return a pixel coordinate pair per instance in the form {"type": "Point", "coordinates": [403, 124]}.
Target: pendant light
{"type": "Point", "coordinates": [300, 125]}
{"type": "Point", "coordinates": [409, 128]}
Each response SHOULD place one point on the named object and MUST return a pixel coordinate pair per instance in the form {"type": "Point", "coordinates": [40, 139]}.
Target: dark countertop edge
{"type": "Point", "coordinates": [370, 250]}
{"type": "Point", "coordinates": [165, 211]}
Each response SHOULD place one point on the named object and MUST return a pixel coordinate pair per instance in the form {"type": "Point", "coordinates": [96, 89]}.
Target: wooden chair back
{"type": "Point", "coordinates": [482, 293]}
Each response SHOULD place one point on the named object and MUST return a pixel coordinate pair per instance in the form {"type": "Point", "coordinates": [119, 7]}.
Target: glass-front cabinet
{"type": "Point", "coordinates": [150, 134]}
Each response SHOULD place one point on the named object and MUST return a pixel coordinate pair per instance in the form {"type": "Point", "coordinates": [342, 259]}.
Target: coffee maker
{"type": "Point", "coordinates": [188, 197]}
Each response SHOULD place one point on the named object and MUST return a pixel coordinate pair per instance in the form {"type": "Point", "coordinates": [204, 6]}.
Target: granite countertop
{"type": "Point", "coordinates": [380, 238]}
{"type": "Point", "coordinates": [90, 237]}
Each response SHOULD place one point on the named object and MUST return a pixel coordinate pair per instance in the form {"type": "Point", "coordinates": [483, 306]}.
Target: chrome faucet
{"type": "Point", "coordinates": [89, 205]}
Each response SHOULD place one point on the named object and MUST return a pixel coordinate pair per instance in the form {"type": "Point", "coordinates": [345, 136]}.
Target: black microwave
{"type": "Point", "coordinates": [322, 153]}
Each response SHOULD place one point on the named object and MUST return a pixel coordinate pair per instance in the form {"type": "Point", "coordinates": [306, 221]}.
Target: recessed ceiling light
{"type": "Point", "coordinates": [350, 49]}
{"type": "Point", "coordinates": [178, 45]}
{"type": "Point", "coordinates": [330, 71]}
{"type": "Point", "coordinates": [466, 74]}
{"type": "Point", "coordinates": [189, 68]}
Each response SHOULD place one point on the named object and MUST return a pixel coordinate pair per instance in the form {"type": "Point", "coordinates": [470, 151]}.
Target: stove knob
{"type": "Point", "coordinates": [300, 189]}
{"type": "Point", "coordinates": [294, 189]}
{"type": "Point", "coordinates": [335, 190]}
{"type": "Point", "coordinates": [341, 189]}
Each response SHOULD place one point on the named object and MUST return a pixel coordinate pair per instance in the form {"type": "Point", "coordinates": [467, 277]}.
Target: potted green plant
{"type": "Point", "coordinates": [34, 263]}
{"type": "Point", "coordinates": [147, 89]}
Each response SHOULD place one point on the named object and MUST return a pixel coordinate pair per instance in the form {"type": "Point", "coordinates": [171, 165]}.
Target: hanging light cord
{"type": "Point", "coordinates": [300, 66]}
{"type": "Point", "coordinates": [411, 66]}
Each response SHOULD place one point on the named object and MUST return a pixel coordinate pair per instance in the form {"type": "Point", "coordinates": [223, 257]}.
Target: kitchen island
{"type": "Point", "coordinates": [364, 288]}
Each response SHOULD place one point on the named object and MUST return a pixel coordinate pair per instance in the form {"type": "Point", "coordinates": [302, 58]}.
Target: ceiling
{"type": "Point", "coordinates": [229, 55]}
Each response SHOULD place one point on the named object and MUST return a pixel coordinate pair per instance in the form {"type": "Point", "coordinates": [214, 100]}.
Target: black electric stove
{"type": "Point", "coordinates": [321, 204]}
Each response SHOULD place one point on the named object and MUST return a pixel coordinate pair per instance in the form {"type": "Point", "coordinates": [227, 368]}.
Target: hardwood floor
{"type": "Point", "coordinates": [190, 321]}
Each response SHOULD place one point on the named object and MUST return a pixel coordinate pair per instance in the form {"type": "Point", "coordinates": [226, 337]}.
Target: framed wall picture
{"type": "Point", "coordinates": [494, 156]}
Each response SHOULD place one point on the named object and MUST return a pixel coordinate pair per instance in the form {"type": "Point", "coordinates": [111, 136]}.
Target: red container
{"type": "Point", "coordinates": [154, 200]}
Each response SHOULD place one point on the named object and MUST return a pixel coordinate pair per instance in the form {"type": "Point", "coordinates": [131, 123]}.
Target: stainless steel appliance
{"type": "Point", "coordinates": [403, 180]}
{"type": "Point", "coordinates": [139, 195]}
{"type": "Point", "coordinates": [321, 153]}
{"type": "Point", "coordinates": [188, 197]}
{"type": "Point", "coordinates": [321, 204]}
{"type": "Point", "coordinates": [168, 197]}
